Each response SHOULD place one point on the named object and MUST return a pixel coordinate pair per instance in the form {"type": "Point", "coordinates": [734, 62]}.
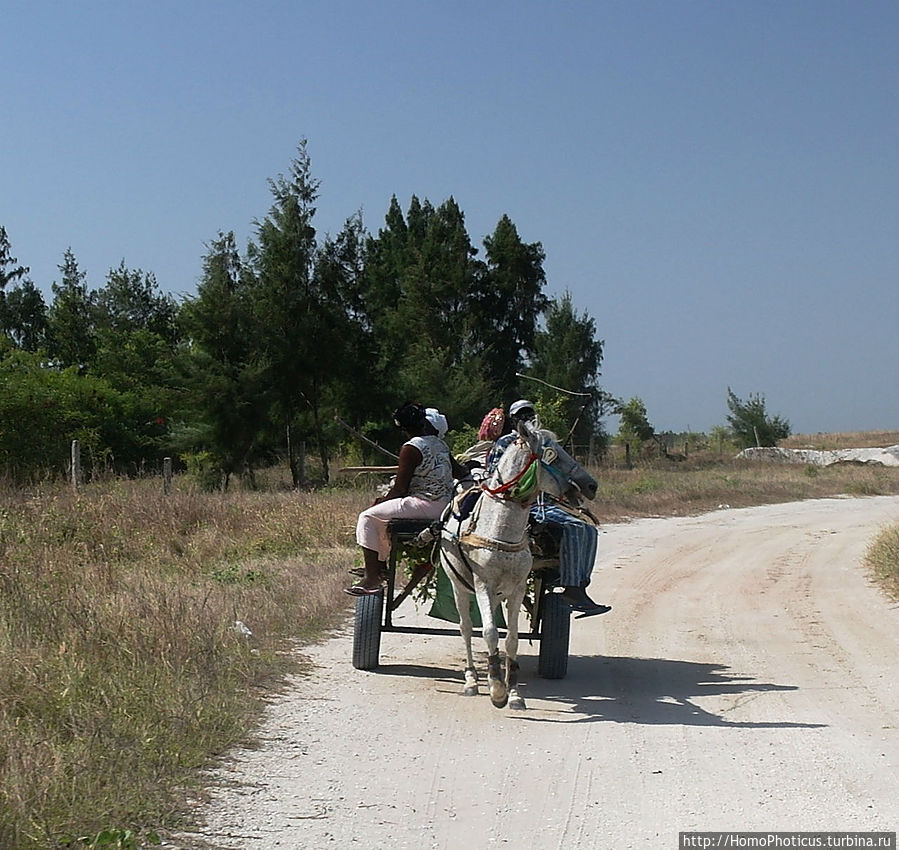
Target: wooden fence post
{"type": "Point", "coordinates": [76, 465]}
{"type": "Point", "coordinates": [166, 475]}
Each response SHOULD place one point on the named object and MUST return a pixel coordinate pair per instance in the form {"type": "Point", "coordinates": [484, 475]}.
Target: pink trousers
{"type": "Point", "coordinates": [371, 528]}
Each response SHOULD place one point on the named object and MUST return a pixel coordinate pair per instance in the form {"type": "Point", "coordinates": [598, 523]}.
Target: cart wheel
{"type": "Point", "coordinates": [554, 633]}
{"type": "Point", "coordinates": [367, 631]}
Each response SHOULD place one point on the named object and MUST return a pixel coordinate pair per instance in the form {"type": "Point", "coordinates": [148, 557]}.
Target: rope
{"type": "Point", "coordinates": [508, 485]}
{"type": "Point", "coordinates": [473, 539]}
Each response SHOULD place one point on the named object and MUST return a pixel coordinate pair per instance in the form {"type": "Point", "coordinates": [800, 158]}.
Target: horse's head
{"type": "Point", "coordinates": [567, 479]}
{"type": "Point", "coordinates": [517, 476]}
{"type": "Point", "coordinates": [535, 463]}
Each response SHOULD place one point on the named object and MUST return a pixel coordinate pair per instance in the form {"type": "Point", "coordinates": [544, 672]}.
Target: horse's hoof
{"type": "Point", "coordinates": [500, 703]}
{"type": "Point", "coordinates": [517, 704]}
{"type": "Point", "coordinates": [471, 691]}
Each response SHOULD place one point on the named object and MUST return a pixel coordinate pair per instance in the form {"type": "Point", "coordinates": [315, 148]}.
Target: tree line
{"type": "Point", "coordinates": [748, 424]}
{"type": "Point", "coordinates": [283, 336]}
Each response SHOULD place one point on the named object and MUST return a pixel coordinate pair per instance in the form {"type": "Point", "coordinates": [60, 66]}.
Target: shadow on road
{"type": "Point", "coordinates": [420, 671]}
{"type": "Point", "coordinates": [653, 691]}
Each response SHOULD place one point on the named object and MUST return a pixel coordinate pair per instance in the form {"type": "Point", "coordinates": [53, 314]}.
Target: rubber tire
{"type": "Point", "coordinates": [367, 631]}
{"type": "Point", "coordinates": [555, 630]}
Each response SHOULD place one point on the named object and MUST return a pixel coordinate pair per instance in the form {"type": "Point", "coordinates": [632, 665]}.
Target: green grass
{"type": "Point", "coordinates": [121, 673]}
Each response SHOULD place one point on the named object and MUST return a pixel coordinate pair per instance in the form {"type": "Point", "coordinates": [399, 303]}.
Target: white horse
{"type": "Point", "coordinates": [487, 553]}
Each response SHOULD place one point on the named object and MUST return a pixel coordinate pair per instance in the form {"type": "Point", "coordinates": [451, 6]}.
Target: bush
{"type": "Point", "coordinates": [751, 424]}
{"type": "Point", "coordinates": [883, 560]}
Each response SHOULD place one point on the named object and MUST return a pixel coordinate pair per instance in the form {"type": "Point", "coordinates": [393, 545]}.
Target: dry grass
{"type": "Point", "coordinates": [847, 440]}
{"type": "Point", "coordinates": [883, 561]}
{"type": "Point", "coordinates": [121, 672]}
{"type": "Point", "coordinates": [672, 488]}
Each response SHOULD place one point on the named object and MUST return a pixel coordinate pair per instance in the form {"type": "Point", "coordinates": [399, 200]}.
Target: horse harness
{"type": "Point", "coordinates": [519, 488]}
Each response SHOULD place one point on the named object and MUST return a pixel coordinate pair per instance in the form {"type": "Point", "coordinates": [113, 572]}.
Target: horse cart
{"type": "Point", "coordinates": [548, 615]}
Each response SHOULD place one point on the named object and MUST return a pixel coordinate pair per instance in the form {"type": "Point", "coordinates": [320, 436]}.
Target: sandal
{"type": "Point", "coordinates": [359, 590]}
{"type": "Point", "coordinates": [360, 571]}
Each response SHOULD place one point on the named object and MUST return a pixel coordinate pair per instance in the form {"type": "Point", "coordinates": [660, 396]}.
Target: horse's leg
{"type": "Point", "coordinates": [462, 597]}
{"type": "Point", "coordinates": [513, 610]}
{"type": "Point", "coordinates": [487, 599]}
{"type": "Point", "coordinates": [463, 602]}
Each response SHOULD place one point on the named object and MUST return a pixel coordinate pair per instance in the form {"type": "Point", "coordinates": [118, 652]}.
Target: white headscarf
{"type": "Point", "coordinates": [438, 420]}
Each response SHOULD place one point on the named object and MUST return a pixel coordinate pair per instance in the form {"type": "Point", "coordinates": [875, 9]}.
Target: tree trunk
{"type": "Point", "coordinates": [322, 445]}
{"type": "Point", "coordinates": [295, 474]}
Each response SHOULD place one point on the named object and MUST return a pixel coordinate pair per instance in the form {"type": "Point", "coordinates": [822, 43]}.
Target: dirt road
{"type": "Point", "coordinates": [746, 679]}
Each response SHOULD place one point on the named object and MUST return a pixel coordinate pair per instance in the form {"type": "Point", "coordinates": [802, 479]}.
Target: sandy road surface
{"type": "Point", "coordinates": [746, 679]}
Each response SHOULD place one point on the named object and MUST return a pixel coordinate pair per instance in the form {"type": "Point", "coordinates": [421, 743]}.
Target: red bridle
{"type": "Point", "coordinates": [508, 485]}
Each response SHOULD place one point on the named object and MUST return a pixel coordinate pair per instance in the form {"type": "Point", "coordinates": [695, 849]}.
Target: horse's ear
{"type": "Point", "coordinates": [525, 428]}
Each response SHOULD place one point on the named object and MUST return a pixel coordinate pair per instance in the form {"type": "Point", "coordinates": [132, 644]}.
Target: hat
{"type": "Point", "coordinates": [492, 425]}
{"type": "Point", "coordinates": [520, 405]}
{"type": "Point", "coordinates": [438, 420]}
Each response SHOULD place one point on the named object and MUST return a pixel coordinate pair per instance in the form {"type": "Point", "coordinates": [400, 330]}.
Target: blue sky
{"type": "Point", "coordinates": [716, 183]}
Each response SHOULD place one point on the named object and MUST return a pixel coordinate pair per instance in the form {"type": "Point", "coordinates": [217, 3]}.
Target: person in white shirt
{"type": "Point", "coordinates": [421, 490]}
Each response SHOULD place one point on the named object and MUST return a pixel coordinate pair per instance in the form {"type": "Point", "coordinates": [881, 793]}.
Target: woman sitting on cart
{"type": "Point", "coordinates": [421, 490]}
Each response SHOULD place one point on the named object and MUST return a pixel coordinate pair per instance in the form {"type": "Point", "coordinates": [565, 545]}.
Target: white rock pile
{"type": "Point", "coordinates": [884, 456]}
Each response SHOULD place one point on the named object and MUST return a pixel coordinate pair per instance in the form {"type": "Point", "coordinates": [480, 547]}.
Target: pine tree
{"type": "Point", "coordinates": [26, 316]}
{"type": "Point", "coordinates": [72, 339]}
{"type": "Point", "coordinates": [427, 265]}
{"type": "Point", "coordinates": [508, 304]}
{"type": "Point", "coordinates": [131, 300]}
{"type": "Point", "coordinates": [10, 271]}
{"type": "Point", "coordinates": [137, 340]}
{"type": "Point", "coordinates": [224, 384]}
{"type": "Point", "coordinates": [634, 426]}
{"type": "Point", "coordinates": [567, 354]}
{"type": "Point", "coordinates": [345, 325]}
{"type": "Point", "coordinates": [287, 306]}
{"type": "Point", "coordinates": [18, 319]}
{"type": "Point", "coordinates": [751, 424]}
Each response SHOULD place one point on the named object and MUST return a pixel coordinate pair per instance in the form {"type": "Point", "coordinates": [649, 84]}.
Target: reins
{"type": "Point", "coordinates": [473, 539]}
{"type": "Point", "coordinates": [521, 493]}
{"type": "Point", "coordinates": [519, 488]}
